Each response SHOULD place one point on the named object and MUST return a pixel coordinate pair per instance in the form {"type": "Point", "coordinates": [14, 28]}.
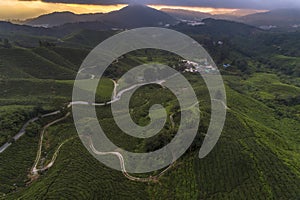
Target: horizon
{"type": "Point", "coordinates": [14, 10]}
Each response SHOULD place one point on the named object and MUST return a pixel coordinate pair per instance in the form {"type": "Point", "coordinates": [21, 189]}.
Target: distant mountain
{"type": "Point", "coordinates": [132, 16]}
{"type": "Point", "coordinates": [129, 17]}
{"type": "Point", "coordinates": [219, 28]}
{"type": "Point", "coordinates": [186, 14]}
{"type": "Point", "coordinates": [82, 32]}
{"type": "Point", "coordinates": [138, 16]}
{"type": "Point", "coordinates": [60, 18]}
{"type": "Point", "coordinates": [10, 28]}
{"type": "Point", "coordinates": [197, 15]}
{"type": "Point", "coordinates": [276, 18]}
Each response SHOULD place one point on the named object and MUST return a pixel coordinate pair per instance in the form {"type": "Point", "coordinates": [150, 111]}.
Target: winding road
{"type": "Point", "coordinates": [116, 97]}
{"type": "Point", "coordinates": [34, 169]}
{"type": "Point", "coordinates": [122, 163]}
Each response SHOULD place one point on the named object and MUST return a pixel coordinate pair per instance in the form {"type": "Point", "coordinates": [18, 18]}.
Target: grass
{"type": "Point", "coordinates": [75, 167]}
{"type": "Point", "coordinates": [269, 87]}
{"type": "Point", "coordinates": [257, 156]}
{"type": "Point", "coordinates": [73, 55]}
{"type": "Point", "coordinates": [30, 64]}
{"type": "Point", "coordinates": [47, 94]}
{"type": "Point", "coordinates": [248, 161]}
{"type": "Point", "coordinates": [49, 54]}
{"type": "Point", "coordinates": [87, 38]}
{"type": "Point", "coordinates": [15, 164]}
{"type": "Point", "coordinates": [12, 119]}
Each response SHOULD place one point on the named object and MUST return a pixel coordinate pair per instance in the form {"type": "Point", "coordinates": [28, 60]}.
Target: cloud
{"type": "Point", "coordinates": [96, 2]}
{"type": "Point", "coordinates": [250, 4]}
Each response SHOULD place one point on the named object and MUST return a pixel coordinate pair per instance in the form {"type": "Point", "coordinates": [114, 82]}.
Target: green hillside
{"type": "Point", "coordinates": [87, 38]}
{"type": "Point", "coordinates": [29, 64]}
{"type": "Point", "coordinates": [256, 157]}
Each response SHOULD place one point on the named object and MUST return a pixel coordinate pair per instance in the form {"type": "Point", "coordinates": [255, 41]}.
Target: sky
{"type": "Point", "coordinates": [23, 9]}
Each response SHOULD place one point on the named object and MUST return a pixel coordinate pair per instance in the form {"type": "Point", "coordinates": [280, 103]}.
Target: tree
{"type": "Point", "coordinates": [33, 129]}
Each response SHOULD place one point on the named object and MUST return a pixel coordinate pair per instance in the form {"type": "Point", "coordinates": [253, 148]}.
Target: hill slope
{"type": "Point", "coordinates": [60, 18]}
{"type": "Point", "coordinates": [21, 63]}
{"type": "Point", "coordinates": [186, 14]}
{"type": "Point", "coordinates": [279, 18]}
{"type": "Point", "coordinates": [128, 17]}
{"type": "Point", "coordinates": [256, 157]}
{"type": "Point", "coordinates": [138, 16]}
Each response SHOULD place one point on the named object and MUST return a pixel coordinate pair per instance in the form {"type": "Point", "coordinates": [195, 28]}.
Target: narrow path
{"type": "Point", "coordinates": [116, 97]}
{"type": "Point", "coordinates": [34, 169]}
{"type": "Point", "coordinates": [123, 169]}
{"type": "Point", "coordinates": [50, 164]}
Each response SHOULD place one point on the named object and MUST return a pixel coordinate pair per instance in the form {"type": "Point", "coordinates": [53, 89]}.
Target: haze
{"type": "Point", "coordinates": [16, 9]}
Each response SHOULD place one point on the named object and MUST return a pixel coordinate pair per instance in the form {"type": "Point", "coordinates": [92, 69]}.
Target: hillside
{"type": "Point", "coordinates": [64, 24]}
{"type": "Point", "coordinates": [19, 63]}
{"type": "Point", "coordinates": [256, 157]}
{"type": "Point", "coordinates": [281, 18]}
{"type": "Point", "coordinates": [60, 18]}
{"type": "Point", "coordinates": [128, 17]}
{"type": "Point", "coordinates": [138, 16]}
{"type": "Point", "coordinates": [186, 14]}
{"type": "Point", "coordinates": [219, 28]}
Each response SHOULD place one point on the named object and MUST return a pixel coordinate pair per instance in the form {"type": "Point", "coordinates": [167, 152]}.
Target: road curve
{"type": "Point", "coordinates": [34, 169]}
{"type": "Point", "coordinates": [115, 97]}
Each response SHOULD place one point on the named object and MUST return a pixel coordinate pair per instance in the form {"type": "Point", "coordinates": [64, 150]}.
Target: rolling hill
{"type": "Point", "coordinates": [60, 18]}
{"type": "Point", "coordinates": [281, 18]}
{"type": "Point", "coordinates": [138, 16]}
{"type": "Point", "coordinates": [186, 14]}
{"type": "Point", "coordinates": [257, 156]}
{"type": "Point", "coordinates": [128, 17]}
{"type": "Point", "coordinates": [18, 63]}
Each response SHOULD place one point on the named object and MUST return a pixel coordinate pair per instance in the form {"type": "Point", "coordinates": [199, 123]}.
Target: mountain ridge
{"type": "Point", "coordinates": [129, 17]}
{"type": "Point", "coordinates": [276, 18]}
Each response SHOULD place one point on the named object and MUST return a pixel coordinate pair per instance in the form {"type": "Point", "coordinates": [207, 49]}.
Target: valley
{"type": "Point", "coordinates": [42, 157]}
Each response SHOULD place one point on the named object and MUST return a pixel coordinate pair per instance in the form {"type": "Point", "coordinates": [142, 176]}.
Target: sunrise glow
{"type": "Point", "coordinates": [214, 11]}
{"type": "Point", "coordinates": [14, 9]}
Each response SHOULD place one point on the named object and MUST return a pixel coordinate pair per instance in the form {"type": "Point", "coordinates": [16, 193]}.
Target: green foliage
{"type": "Point", "coordinates": [33, 129]}
{"type": "Point", "coordinates": [11, 120]}
{"type": "Point", "coordinates": [257, 156]}
{"type": "Point", "coordinates": [87, 38]}
{"type": "Point", "coordinates": [29, 64]}
{"type": "Point", "coordinates": [15, 162]}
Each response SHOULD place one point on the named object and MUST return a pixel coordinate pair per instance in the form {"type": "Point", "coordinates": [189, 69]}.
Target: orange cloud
{"type": "Point", "coordinates": [24, 9]}
{"type": "Point", "coordinates": [14, 9]}
{"type": "Point", "coordinates": [214, 11]}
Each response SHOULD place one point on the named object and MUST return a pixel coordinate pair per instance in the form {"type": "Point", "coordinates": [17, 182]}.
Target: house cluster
{"type": "Point", "coordinates": [267, 27]}
{"type": "Point", "coordinates": [194, 67]}
{"type": "Point", "coordinates": [193, 22]}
